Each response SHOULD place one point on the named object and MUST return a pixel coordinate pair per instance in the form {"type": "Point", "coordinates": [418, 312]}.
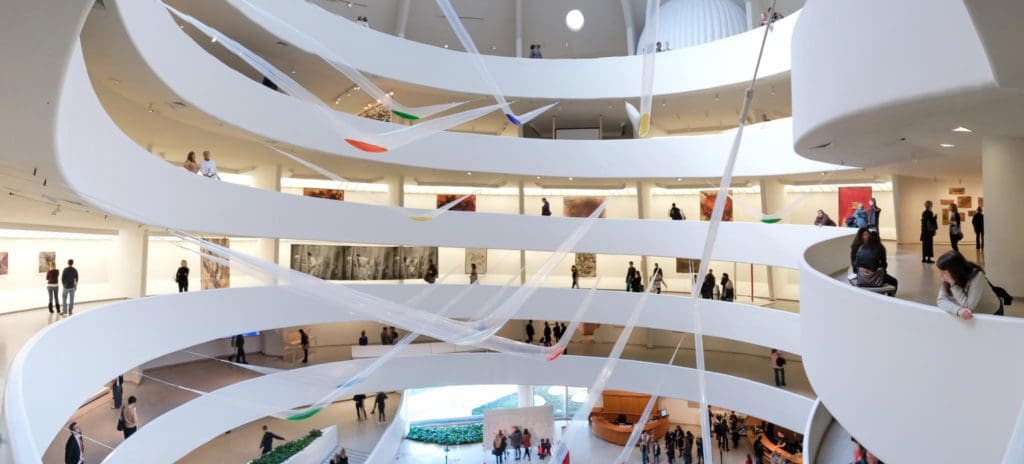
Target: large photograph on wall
{"type": "Point", "coordinates": [345, 262]}
{"type": "Point", "coordinates": [329, 194]}
{"type": "Point", "coordinates": [851, 198]}
{"type": "Point", "coordinates": [46, 258]}
{"type": "Point", "coordinates": [582, 206]}
{"type": "Point", "coordinates": [3, 263]}
{"type": "Point", "coordinates": [476, 256]}
{"type": "Point", "coordinates": [707, 205]}
{"type": "Point", "coordinates": [469, 204]}
{"type": "Point", "coordinates": [586, 264]}
{"type": "Point", "coordinates": [213, 274]}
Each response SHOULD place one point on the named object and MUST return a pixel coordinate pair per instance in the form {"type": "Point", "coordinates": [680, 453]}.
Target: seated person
{"type": "Point", "coordinates": [621, 420]}
{"type": "Point", "coordinates": [870, 264]}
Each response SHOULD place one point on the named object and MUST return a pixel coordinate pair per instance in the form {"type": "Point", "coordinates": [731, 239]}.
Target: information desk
{"type": "Point", "coordinates": [619, 434]}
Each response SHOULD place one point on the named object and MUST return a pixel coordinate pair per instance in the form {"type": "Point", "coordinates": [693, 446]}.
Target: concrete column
{"type": "Point", "coordinates": [643, 209]}
{"type": "Point", "coordinates": [519, 28]}
{"type": "Point", "coordinates": [773, 198]}
{"type": "Point", "coordinates": [396, 191]}
{"type": "Point", "coordinates": [1002, 168]}
{"type": "Point", "coordinates": [268, 177]}
{"type": "Point", "coordinates": [525, 396]}
{"type": "Point", "coordinates": [522, 253]}
{"type": "Point", "coordinates": [403, 18]}
{"type": "Point", "coordinates": [133, 251]}
{"type": "Point", "coordinates": [897, 190]}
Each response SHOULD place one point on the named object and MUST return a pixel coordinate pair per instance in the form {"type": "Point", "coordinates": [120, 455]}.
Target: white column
{"type": "Point", "coordinates": [897, 200]}
{"type": "Point", "coordinates": [750, 14]}
{"type": "Point", "coordinates": [643, 209]}
{"type": "Point", "coordinates": [525, 396]}
{"type": "Point", "coordinates": [1002, 169]}
{"type": "Point", "coordinates": [772, 200]}
{"type": "Point", "coordinates": [133, 254]}
{"type": "Point", "coordinates": [519, 28]}
{"type": "Point", "coordinates": [522, 253]}
{"type": "Point", "coordinates": [627, 17]}
{"type": "Point", "coordinates": [267, 177]}
{"type": "Point", "coordinates": [403, 18]}
{"type": "Point", "coordinates": [396, 191]}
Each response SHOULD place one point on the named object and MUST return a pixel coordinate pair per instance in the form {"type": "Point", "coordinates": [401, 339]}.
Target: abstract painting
{"type": "Point", "coordinates": [476, 256]}
{"type": "Point", "coordinates": [469, 204]}
{"type": "Point", "coordinates": [3, 263]}
{"type": "Point", "coordinates": [582, 206]}
{"type": "Point", "coordinates": [586, 264]}
{"type": "Point", "coordinates": [329, 194]}
{"type": "Point", "coordinates": [46, 258]}
{"type": "Point", "coordinates": [212, 273]}
{"type": "Point", "coordinates": [964, 202]}
{"type": "Point", "coordinates": [687, 266]}
{"type": "Point", "coordinates": [957, 190]}
{"type": "Point", "coordinates": [344, 262]}
{"type": "Point", "coordinates": [707, 205]}
{"type": "Point", "coordinates": [850, 198]}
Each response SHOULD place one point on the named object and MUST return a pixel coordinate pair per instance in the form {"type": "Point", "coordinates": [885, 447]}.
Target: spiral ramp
{"type": "Point", "coordinates": [897, 375]}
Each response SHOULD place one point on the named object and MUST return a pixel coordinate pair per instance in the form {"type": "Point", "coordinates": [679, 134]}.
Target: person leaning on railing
{"type": "Point", "coordinates": [965, 288]}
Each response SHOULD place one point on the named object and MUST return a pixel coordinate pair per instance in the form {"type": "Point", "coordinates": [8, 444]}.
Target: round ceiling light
{"type": "Point", "coordinates": [574, 20]}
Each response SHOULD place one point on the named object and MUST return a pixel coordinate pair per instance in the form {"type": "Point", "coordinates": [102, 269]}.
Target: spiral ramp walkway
{"type": "Point", "coordinates": [60, 129]}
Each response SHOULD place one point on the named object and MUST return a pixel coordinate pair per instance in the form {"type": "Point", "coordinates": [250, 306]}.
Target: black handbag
{"type": "Point", "coordinates": [120, 421]}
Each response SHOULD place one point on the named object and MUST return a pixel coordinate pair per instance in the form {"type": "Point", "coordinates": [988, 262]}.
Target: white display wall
{"type": "Point", "coordinates": [165, 255]}
{"type": "Point", "coordinates": [914, 191]}
{"type": "Point", "coordinates": [24, 287]}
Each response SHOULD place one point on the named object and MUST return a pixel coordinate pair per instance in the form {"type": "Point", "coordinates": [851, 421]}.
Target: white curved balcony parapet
{"type": "Point", "coordinates": [724, 62]}
{"type": "Point", "coordinates": [208, 416]}
{"type": "Point", "coordinates": [40, 398]}
{"type": "Point", "coordinates": [864, 97]}
{"type": "Point", "coordinates": [881, 363]}
{"type": "Point", "coordinates": [217, 90]}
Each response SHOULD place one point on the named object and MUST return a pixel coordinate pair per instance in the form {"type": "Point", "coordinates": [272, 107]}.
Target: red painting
{"type": "Point", "coordinates": [707, 205]}
{"type": "Point", "coordinates": [467, 204]}
{"type": "Point", "coordinates": [850, 198]}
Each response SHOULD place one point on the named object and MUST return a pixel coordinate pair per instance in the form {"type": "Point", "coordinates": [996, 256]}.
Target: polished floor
{"type": "Point", "coordinates": [918, 282]}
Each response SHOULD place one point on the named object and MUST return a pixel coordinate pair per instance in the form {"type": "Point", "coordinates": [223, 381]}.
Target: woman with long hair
{"type": "Point", "coordinates": [870, 264]}
{"type": "Point", "coordinates": [858, 240]}
{"type": "Point", "coordinates": [965, 288]}
{"type": "Point", "coordinates": [728, 291]}
{"type": "Point", "coordinates": [190, 162]}
{"type": "Point", "coordinates": [955, 234]}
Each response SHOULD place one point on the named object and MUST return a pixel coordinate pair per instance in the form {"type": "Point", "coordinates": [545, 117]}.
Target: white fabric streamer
{"type": "Point", "coordinates": [648, 47]}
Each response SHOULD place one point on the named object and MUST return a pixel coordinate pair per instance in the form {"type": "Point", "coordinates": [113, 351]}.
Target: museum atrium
{"type": "Point", "coordinates": [476, 231]}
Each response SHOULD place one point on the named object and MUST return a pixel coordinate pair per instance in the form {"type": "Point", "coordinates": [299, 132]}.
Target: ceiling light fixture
{"type": "Point", "coordinates": [469, 173]}
{"type": "Point", "coordinates": [574, 20]}
{"type": "Point", "coordinates": [445, 45]}
{"type": "Point", "coordinates": [566, 44]}
{"type": "Point", "coordinates": [213, 39]}
{"type": "Point", "coordinates": [493, 48]}
{"type": "Point", "coordinates": [946, 145]}
{"type": "Point", "coordinates": [570, 179]}
{"type": "Point", "coordinates": [962, 129]}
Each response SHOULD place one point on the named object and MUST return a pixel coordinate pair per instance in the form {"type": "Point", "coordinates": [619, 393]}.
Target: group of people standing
{"type": "Point", "coordinates": [677, 443]}
{"type": "Point", "coordinates": [207, 167]}
{"type": "Point", "coordinates": [930, 226]}
{"type": "Point", "coordinates": [519, 441]}
{"type": "Point", "coordinates": [68, 279]}
{"type": "Point", "coordinates": [709, 289]}
{"type": "Point", "coordinates": [635, 280]}
{"type": "Point", "coordinates": [555, 329]}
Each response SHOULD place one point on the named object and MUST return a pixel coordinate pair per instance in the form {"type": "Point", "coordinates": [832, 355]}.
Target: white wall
{"type": "Point", "coordinates": [165, 256]}
{"type": "Point", "coordinates": [24, 287]}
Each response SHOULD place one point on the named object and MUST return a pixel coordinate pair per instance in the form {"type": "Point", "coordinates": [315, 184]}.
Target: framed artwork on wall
{"type": "Point", "coordinates": [707, 205]}
{"type": "Point", "coordinates": [687, 265]}
{"type": "Point", "coordinates": [345, 262]}
{"type": "Point", "coordinates": [582, 206]}
{"type": "Point", "coordinates": [957, 190]}
{"type": "Point", "coordinates": [469, 204]}
{"type": "Point", "coordinates": [851, 198]}
{"type": "Point", "coordinates": [946, 202]}
{"type": "Point", "coordinates": [981, 202]}
{"type": "Point", "coordinates": [3, 263]}
{"type": "Point", "coordinates": [476, 256]}
{"type": "Point", "coordinates": [213, 274]}
{"type": "Point", "coordinates": [329, 194]}
{"type": "Point", "coordinates": [46, 258]}
{"type": "Point", "coordinates": [586, 264]}
{"type": "Point", "coordinates": [964, 202]}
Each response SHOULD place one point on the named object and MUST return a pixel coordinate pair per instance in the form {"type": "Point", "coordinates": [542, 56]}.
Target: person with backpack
{"type": "Point", "coordinates": [965, 289]}
{"type": "Point", "coordinates": [955, 232]}
{"type": "Point", "coordinates": [779, 366]}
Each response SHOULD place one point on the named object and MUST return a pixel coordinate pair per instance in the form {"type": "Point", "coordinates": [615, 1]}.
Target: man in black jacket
{"type": "Point", "coordinates": [675, 214]}
{"type": "Point", "coordinates": [74, 449]}
{"type": "Point", "coordinates": [360, 401]}
{"type": "Point", "coordinates": [529, 332]}
{"type": "Point", "coordinates": [267, 442]}
{"type": "Point", "coordinates": [978, 221]}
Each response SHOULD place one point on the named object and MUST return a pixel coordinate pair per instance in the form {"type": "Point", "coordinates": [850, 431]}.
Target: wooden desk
{"type": "Point", "coordinates": [619, 434]}
{"type": "Point", "coordinates": [770, 448]}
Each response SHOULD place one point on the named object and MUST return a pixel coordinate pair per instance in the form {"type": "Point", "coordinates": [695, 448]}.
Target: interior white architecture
{"type": "Point", "coordinates": [676, 263]}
